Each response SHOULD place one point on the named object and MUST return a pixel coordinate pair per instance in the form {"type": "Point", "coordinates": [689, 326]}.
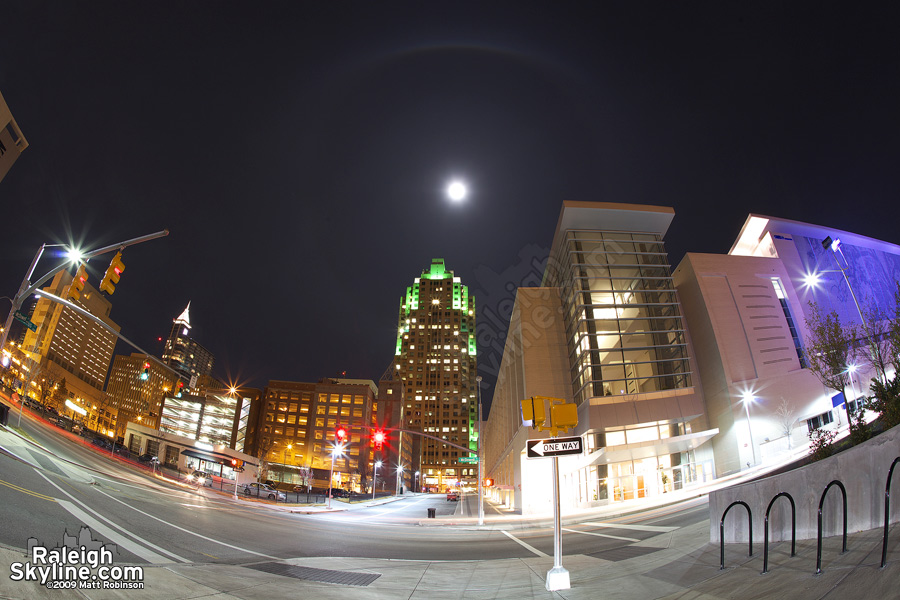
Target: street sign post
{"type": "Point", "coordinates": [554, 447]}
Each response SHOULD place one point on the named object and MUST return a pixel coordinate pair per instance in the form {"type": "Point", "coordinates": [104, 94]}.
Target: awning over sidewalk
{"type": "Point", "coordinates": [206, 457]}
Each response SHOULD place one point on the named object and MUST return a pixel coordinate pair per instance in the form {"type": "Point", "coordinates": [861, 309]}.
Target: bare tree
{"type": "Point", "coordinates": [829, 350]}
{"type": "Point", "coordinates": [877, 324]}
{"type": "Point", "coordinates": [786, 419]}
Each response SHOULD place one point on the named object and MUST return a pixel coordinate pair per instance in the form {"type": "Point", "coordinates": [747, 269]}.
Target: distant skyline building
{"type": "Point", "coordinates": [435, 358]}
{"type": "Point", "coordinates": [183, 353]}
{"type": "Point", "coordinates": [215, 419]}
{"type": "Point", "coordinates": [136, 398]}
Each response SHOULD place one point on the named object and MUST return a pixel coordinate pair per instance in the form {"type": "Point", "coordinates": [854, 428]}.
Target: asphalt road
{"type": "Point", "coordinates": [152, 521]}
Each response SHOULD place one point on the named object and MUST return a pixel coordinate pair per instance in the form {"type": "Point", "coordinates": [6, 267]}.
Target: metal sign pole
{"type": "Point", "coordinates": [558, 576]}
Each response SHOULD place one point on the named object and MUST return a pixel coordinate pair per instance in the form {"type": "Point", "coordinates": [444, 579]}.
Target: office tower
{"type": "Point", "coordinates": [435, 359]}
{"type": "Point", "coordinates": [136, 388]}
{"type": "Point", "coordinates": [184, 354]}
{"type": "Point", "coordinates": [68, 346]}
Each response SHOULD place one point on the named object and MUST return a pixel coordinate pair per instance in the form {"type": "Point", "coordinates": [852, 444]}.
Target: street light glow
{"type": "Point", "coordinates": [74, 254]}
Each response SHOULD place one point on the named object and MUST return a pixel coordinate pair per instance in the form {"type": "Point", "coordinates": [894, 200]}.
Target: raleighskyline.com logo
{"type": "Point", "coordinates": [79, 563]}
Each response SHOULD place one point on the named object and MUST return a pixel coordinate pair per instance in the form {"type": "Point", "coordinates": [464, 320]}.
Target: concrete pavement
{"type": "Point", "coordinates": [679, 564]}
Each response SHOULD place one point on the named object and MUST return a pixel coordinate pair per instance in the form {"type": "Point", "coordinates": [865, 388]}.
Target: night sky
{"type": "Point", "coordinates": [298, 151]}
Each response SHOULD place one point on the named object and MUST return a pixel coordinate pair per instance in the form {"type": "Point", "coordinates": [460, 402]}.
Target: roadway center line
{"type": "Point", "coordinates": [109, 533]}
{"type": "Point", "coordinates": [524, 545]}
{"type": "Point", "coordinates": [603, 535]}
{"type": "Point", "coordinates": [654, 528]}
{"type": "Point", "coordinates": [209, 539]}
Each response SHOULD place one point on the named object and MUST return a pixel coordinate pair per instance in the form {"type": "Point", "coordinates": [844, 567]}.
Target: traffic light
{"type": "Point", "coordinates": [77, 283]}
{"type": "Point", "coordinates": [488, 482]}
{"type": "Point", "coordinates": [340, 434]}
{"type": "Point", "coordinates": [378, 437]}
{"type": "Point", "coordinates": [116, 266]}
{"type": "Point", "coordinates": [145, 374]}
{"type": "Point", "coordinates": [178, 389]}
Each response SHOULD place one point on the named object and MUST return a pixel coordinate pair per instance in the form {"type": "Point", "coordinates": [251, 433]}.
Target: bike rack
{"type": "Point", "coordinates": [793, 529]}
{"type": "Point", "coordinates": [821, 502]}
{"type": "Point", "coordinates": [722, 531]}
{"type": "Point", "coordinates": [887, 511]}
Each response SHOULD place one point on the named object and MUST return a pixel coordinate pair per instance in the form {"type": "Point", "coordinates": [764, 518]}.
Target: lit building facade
{"type": "Point", "coordinates": [134, 397]}
{"type": "Point", "coordinates": [606, 332]}
{"type": "Point", "coordinates": [69, 346]}
{"type": "Point", "coordinates": [212, 419]}
{"type": "Point", "coordinates": [296, 432]}
{"type": "Point", "coordinates": [184, 354]}
{"type": "Point", "coordinates": [747, 313]}
{"type": "Point", "coordinates": [12, 142]}
{"type": "Point", "coordinates": [435, 358]}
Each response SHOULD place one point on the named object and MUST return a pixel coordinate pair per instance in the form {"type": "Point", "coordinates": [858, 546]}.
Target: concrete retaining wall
{"type": "Point", "coordinates": [863, 470]}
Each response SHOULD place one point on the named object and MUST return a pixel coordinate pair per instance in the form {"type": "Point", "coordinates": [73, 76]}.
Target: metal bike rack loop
{"type": "Point", "coordinates": [793, 530]}
{"type": "Point", "coordinates": [722, 531]}
{"type": "Point", "coordinates": [887, 511]}
{"type": "Point", "coordinates": [821, 502]}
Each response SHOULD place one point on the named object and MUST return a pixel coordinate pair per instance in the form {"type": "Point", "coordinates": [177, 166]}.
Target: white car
{"type": "Point", "coordinates": [262, 490]}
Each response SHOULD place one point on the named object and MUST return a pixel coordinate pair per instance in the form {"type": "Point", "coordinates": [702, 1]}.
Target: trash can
{"type": "Point", "coordinates": [4, 414]}
{"type": "Point", "coordinates": [431, 512]}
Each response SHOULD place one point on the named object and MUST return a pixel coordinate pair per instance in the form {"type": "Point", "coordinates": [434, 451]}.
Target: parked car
{"type": "Point", "coordinates": [452, 495]}
{"type": "Point", "coordinates": [146, 458]}
{"type": "Point", "coordinates": [200, 478]}
{"type": "Point", "coordinates": [338, 493]}
{"type": "Point", "coordinates": [300, 489]}
{"type": "Point", "coordinates": [262, 490]}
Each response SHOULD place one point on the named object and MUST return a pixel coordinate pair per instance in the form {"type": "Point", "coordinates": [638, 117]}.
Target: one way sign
{"type": "Point", "coordinates": [554, 447]}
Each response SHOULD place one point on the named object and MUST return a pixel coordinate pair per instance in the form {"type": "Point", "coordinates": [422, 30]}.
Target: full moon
{"type": "Point", "coordinates": [457, 191]}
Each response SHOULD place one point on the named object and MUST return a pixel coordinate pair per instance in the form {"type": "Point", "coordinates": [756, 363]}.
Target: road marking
{"type": "Point", "coordinates": [654, 528]}
{"type": "Point", "coordinates": [524, 545]}
{"type": "Point", "coordinates": [194, 533]}
{"type": "Point", "coordinates": [111, 534]}
{"type": "Point", "coordinates": [400, 507]}
{"type": "Point", "coordinates": [29, 492]}
{"type": "Point", "coordinates": [603, 535]}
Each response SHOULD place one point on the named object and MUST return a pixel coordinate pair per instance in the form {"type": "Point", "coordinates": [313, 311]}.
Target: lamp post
{"type": "Point", "coordinates": [375, 477]}
{"type": "Point", "coordinates": [417, 482]}
{"type": "Point", "coordinates": [480, 467]}
{"type": "Point", "coordinates": [284, 460]}
{"type": "Point", "coordinates": [336, 449]}
{"type": "Point", "coordinates": [399, 477]}
{"type": "Point", "coordinates": [748, 398]}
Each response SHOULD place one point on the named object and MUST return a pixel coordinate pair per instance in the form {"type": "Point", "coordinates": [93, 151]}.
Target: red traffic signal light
{"type": "Point", "coordinates": [77, 283]}
{"type": "Point", "coordinates": [178, 388]}
{"type": "Point", "coordinates": [145, 374]}
{"type": "Point", "coordinates": [488, 482]}
{"type": "Point", "coordinates": [378, 438]}
{"type": "Point", "coordinates": [116, 266]}
{"type": "Point", "coordinates": [340, 433]}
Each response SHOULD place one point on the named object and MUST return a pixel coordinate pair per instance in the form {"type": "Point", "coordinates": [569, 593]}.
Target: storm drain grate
{"type": "Point", "coordinates": [312, 574]}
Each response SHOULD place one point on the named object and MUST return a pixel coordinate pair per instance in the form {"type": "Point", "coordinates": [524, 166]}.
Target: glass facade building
{"type": "Point", "coordinates": [623, 324]}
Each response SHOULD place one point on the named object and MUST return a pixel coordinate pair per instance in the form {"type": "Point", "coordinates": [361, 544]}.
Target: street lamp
{"type": "Point", "coordinates": [748, 398]}
{"type": "Point", "coordinates": [375, 477]}
{"type": "Point", "coordinates": [337, 449]}
{"type": "Point", "coordinates": [480, 473]}
{"type": "Point", "coordinates": [417, 482]}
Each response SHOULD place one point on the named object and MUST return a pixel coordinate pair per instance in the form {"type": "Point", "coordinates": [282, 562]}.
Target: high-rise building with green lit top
{"type": "Point", "coordinates": [435, 359]}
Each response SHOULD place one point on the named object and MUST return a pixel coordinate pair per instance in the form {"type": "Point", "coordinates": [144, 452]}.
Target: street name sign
{"type": "Point", "coordinates": [24, 320]}
{"type": "Point", "coordinates": [554, 447]}
{"type": "Point", "coordinates": [468, 460]}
